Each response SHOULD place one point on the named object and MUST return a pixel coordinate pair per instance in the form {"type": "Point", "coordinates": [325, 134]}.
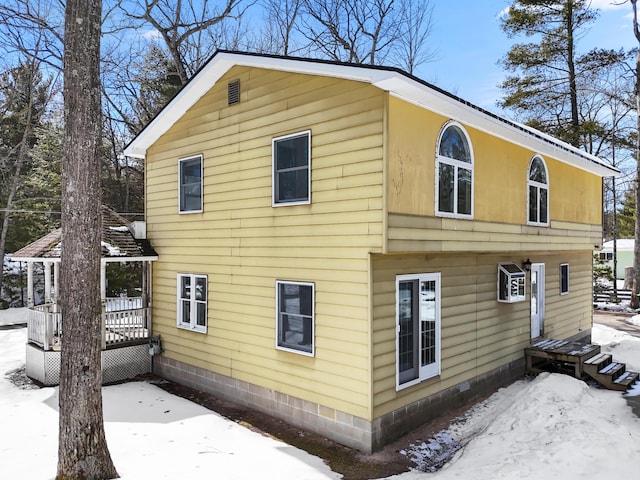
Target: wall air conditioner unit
{"type": "Point", "coordinates": [511, 283]}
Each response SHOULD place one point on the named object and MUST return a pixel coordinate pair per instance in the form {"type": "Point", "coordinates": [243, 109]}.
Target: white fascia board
{"type": "Point", "coordinates": [128, 259]}
{"type": "Point", "coordinates": [392, 81]}
{"type": "Point", "coordinates": [219, 65]}
{"type": "Point", "coordinates": [36, 259]}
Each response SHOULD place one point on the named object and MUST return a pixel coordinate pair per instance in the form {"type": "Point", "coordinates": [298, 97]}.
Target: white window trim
{"type": "Point", "coordinates": [564, 292]}
{"type": "Point", "coordinates": [274, 203]}
{"type": "Point", "coordinates": [184, 159]}
{"type": "Point", "coordinates": [457, 164]}
{"type": "Point", "coordinates": [192, 326]}
{"type": "Point", "coordinates": [313, 318]}
{"type": "Point", "coordinates": [538, 185]}
{"type": "Point", "coordinates": [434, 370]}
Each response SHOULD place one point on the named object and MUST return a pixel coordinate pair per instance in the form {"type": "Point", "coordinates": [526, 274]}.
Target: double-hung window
{"type": "Point", "coordinates": [295, 307]}
{"type": "Point", "coordinates": [192, 302]}
{"type": "Point", "coordinates": [417, 328]}
{"type": "Point", "coordinates": [538, 193]}
{"type": "Point", "coordinates": [454, 173]}
{"type": "Point", "coordinates": [190, 184]}
{"type": "Point", "coordinates": [291, 158]}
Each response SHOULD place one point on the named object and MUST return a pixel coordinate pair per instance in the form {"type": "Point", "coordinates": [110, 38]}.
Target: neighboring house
{"type": "Point", "coordinates": [624, 254]}
{"type": "Point", "coordinates": [353, 250]}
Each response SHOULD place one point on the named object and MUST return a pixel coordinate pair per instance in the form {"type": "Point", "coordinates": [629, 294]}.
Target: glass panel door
{"type": "Point", "coordinates": [407, 337]}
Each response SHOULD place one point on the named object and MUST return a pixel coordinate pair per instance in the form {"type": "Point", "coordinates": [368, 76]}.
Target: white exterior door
{"type": "Point", "coordinates": [537, 300]}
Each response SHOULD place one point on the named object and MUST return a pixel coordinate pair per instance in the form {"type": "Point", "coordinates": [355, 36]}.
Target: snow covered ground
{"type": "Point", "coordinates": [550, 427]}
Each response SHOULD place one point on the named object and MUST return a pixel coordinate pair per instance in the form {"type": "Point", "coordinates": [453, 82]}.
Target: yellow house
{"type": "Point", "coordinates": [353, 250]}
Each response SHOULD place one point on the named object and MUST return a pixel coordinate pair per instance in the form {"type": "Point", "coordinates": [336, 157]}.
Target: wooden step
{"type": "Point", "coordinates": [600, 359]}
{"type": "Point", "coordinates": [613, 370]}
{"type": "Point", "coordinates": [627, 379]}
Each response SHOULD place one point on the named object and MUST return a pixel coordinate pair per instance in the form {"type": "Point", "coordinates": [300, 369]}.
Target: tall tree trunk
{"type": "Point", "coordinates": [635, 300]}
{"type": "Point", "coordinates": [573, 88]}
{"type": "Point", "coordinates": [82, 449]}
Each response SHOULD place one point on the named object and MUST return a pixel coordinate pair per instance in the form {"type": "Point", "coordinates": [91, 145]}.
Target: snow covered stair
{"type": "Point", "coordinates": [609, 374]}
{"type": "Point", "coordinates": [580, 360]}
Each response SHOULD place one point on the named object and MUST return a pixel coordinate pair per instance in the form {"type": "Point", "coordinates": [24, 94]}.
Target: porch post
{"type": "Point", "coordinates": [103, 301]}
{"type": "Point", "coordinates": [56, 276]}
{"type": "Point", "coordinates": [30, 300]}
{"type": "Point", "coordinates": [145, 284]}
{"type": "Point", "coordinates": [47, 282]}
{"type": "Point", "coordinates": [146, 290]}
{"type": "Point", "coordinates": [103, 281]}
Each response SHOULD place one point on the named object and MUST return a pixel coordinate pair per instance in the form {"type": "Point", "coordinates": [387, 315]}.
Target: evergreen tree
{"type": "Point", "coordinates": [627, 215]}
{"type": "Point", "coordinates": [24, 97]}
{"type": "Point", "coordinates": [550, 76]}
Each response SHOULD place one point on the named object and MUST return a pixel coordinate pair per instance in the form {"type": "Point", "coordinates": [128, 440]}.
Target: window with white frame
{"type": "Point", "coordinates": [190, 184]}
{"type": "Point", "coordinates": [538, 193]}
{"type": "Point", "coordinates": [295, 311]}
{"type": "Point", "coordinates": [564, 278]}
{"type": "Point", "coordinates": [192, 302]}
{"type": "Point", "coordinates": [291, 158]}
{"type": "Point", "coordinates": [417, 328]}
{"type": "Point", "coordinates": [454, 173]}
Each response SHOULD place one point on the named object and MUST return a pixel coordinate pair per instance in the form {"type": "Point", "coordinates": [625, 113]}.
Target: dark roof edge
{"type": "Point", "coordinates": [524, 129]}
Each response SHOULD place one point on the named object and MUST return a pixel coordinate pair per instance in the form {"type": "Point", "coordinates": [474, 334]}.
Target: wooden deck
{"type": "Point", "coordinates": [582, 360]}
{"type": "Point", "coordinates": [564, 354]}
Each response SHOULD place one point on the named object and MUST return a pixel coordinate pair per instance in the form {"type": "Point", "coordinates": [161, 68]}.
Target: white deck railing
{"type": "Point", "coordinates": [44, 325]}
{"type": "Point", "coordinates": [123, 303]}
{"type": "Point", "coordinates": [125, 320]}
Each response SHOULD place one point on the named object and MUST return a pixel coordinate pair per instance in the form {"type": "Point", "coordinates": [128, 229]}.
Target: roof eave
{"type": "Point", "coordinates": [397, 83]}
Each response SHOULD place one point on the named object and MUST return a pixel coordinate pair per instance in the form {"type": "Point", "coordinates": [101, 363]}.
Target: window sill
{"type": "Point", "coordinates": [454, 215]}
{"type": "Point", "coordinates": [293, 350]}
{"type": "Point", "coordinates": [423, 382]}
{"type": "Point", "coordinates": [189, 328]}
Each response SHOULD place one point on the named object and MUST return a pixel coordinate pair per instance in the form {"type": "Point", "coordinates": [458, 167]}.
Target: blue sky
{"type": "Point", "coordinates": [469, 42]}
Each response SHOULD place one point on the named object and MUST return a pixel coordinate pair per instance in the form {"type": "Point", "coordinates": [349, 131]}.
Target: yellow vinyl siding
{"type": "Point", "coordinates": [479, 333]}
{"type": "Point", "coordinates": [407, 233]}
{"type": "Point", "coordinates": [244, 244]}
{"type": "Point", "coordinates": [500, 172]}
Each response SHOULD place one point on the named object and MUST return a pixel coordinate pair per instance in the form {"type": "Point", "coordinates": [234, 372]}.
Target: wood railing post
{"type": "Point", "coordinates": [103, 318]}
{"type": "Point", "coordinates": [48, 329]}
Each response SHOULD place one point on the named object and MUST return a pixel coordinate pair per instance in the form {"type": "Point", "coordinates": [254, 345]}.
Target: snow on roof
{"type": "Point", "coordinates": [117, 241]}
{"type": "Point", "coordinates": [622, 244]}
{"type": "Point", "coordinates": [398, 83]}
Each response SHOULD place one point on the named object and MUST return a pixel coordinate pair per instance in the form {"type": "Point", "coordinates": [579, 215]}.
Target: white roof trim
{"type": "Point", "coordinates": [397, 84]}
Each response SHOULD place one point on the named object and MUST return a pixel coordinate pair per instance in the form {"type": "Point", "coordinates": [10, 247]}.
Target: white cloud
{"type": "Point", "coordinates": [150, 35]}
{"type": "Point", "coordinates": [610, 4]}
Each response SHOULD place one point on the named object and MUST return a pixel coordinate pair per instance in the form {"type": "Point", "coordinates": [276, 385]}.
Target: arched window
{"type": "Point", "coordinates": [454, 173]}
{"type": "Point", "coordinates": [538, 192]}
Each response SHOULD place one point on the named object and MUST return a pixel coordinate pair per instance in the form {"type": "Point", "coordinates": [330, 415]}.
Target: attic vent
{"type": "Point", "coordinates": [234, 92]}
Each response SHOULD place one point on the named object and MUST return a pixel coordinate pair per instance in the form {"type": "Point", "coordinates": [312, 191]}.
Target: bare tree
{"type": "Point", "coordinates": [33, 29]}
{"type": "Point", "coordinates": [371, 32]}
{"type": "Point", "coordinates": [415, 27]}
{"type": "Point", "coordinates": [82, 446]}
{"type": "Point", "coordinates": [180, 25]}
{"type": "Point", "coordinates": [280, 18]}
{"type": "Point", "coordinates": [348, 31]}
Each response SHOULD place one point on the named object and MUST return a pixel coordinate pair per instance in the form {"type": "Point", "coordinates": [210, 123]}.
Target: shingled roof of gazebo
{"type": "Point", "coordinates": [117, 241]}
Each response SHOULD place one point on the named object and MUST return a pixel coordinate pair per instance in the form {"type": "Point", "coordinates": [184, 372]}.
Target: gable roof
{"type": "Point", "coordinates": [117, 242]}
{"type": "Point", "coordinates": [398, 83]}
